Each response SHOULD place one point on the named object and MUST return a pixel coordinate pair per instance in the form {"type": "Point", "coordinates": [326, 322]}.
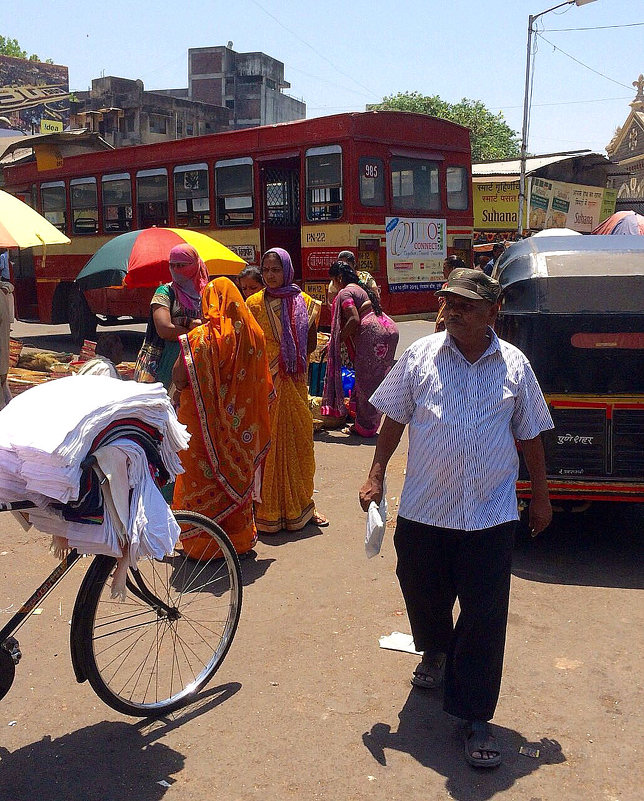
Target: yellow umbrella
{"type": "Point", "coordinates": [22, 227]}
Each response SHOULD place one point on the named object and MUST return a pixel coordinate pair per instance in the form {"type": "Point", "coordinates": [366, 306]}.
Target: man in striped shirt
{"type": "Point", "coordinates": [466, 397]}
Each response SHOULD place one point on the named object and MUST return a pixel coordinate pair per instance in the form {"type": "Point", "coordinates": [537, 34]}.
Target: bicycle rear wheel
{"type": "Point", "coordinates": [151, 654]}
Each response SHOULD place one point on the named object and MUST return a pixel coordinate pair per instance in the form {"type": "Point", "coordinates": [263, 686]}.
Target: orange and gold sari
{"type": "Point", "coordinates": [287, 488]}
{"type": "Point", "coordinates": [225, 407]}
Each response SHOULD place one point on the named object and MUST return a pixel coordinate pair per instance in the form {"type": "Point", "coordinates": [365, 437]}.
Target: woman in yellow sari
{"type": "Point", "coordinates": [288, 318]}
{"type": "Point", "coordinates": [222, 374]}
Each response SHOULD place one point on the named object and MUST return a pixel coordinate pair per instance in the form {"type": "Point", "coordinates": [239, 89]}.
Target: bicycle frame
{"type": "Point", "coordinates": [9, 649]}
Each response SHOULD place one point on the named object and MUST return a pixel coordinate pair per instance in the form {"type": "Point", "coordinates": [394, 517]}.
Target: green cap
{"type": "Point", "coordinates": [472, 284]}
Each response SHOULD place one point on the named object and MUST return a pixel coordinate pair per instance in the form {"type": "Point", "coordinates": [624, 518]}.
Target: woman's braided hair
{"type": "Point", "coordinates": [346, 273]}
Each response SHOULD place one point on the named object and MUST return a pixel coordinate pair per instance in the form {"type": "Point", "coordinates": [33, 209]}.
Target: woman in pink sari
{"type": "Point", "coordinates": [371, 338]}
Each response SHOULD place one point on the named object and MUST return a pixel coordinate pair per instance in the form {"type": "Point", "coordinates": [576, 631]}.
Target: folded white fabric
{"type": "Point", "coordinates": [46, 432]}
{"type": "Point", "coordinates": [137, 520]}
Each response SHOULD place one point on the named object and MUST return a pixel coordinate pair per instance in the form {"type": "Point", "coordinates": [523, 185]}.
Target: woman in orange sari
{"type": "Point", "coordinates": [288, 317]}
{"type": "Point", "coordinates": [225, 384]}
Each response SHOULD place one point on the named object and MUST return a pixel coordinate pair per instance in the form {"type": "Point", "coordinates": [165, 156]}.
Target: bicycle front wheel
{"type": "Point", "coordinates": [151, 654]}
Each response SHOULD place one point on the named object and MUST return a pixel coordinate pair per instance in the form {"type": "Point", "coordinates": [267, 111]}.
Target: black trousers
{"type": "Point", "coordinates": [435, 567]}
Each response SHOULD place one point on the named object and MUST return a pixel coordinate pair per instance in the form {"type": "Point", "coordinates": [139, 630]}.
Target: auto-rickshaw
{"type": "Point", "coordinates": [575, 307]}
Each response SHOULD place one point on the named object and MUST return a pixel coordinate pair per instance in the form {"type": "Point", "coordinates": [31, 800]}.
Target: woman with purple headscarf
{"type": "Point", "coordinates": [288, 318]}
{"type": "Point", "coordinates": [175, 309]}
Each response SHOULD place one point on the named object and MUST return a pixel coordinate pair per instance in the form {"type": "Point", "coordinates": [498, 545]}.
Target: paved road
{"type": "Point", "coordinates": [306, 706]}
{"type": "Point", "coordinates": [56, 337]}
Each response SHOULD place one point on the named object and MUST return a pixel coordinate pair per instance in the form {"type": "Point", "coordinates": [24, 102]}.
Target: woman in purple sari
{"type": "Point", "coordinates": [371, 339]}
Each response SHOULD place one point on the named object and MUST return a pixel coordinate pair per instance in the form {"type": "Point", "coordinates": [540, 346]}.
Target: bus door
{"type": "Point", "coordinates": [24, 283]}
{"type": "Point", "coordinates": [280, 225]}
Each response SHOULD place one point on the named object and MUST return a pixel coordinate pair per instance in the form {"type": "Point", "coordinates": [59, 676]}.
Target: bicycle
{"type": "Point", "coordinates": [152, 653]}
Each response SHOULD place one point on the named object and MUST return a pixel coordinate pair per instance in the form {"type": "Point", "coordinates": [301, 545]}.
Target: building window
{"type": "Point", "coordinates": [372, 181]}
{"type": "Point", "coordinates": [324, 183]}
{"type": "Point", "coordinates": [52, 202]}
{"type": "Point", "coordinates": [116, 191]}
{"type": "Point", "coordinates": [457, 194]}
{"type": "Point", "coordinates": [179, 126]}
{"type": "Point", "coordinates": [190, 129]}
{"type": "Point", "coordinates": [234, 192]}
{"type": "Point", "coordinates": [84, 202]}
{"type": "Point", "coordinates": [152, 197]}
{"type": "Point", "coordinates": [158, 124]}
{"type": "Point", "coordinates": [130, 123]}
{"type": "Point", "coordinates": [191, 200]}
{"type": "Point", "coordinates": [414, 184]}
{"type": "Point", "coordinates": [230, 104]}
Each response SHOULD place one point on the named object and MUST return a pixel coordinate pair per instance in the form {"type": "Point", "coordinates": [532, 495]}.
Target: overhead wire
{"type": "Point", "coordinates": [310, 46]}
{"type": "Point", "coordinates": [581, 63]}
{"type": "Point", "coordinates": [595, 27]}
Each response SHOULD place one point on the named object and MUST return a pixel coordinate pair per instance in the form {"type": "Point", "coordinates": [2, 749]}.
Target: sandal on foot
{"type": "Point", "coordinates": [429, 672]}
{"type": "Point", "coordinates": [319, 520]}
{"type": "Point", "coordinates": [480, 740]}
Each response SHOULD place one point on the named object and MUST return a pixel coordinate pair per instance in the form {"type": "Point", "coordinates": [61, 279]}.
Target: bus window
{"type": "Point", "coordinates": [117, 202]}
{"type": "Point", "coordinates": [372, 181]}
{"type": "Point", "coordinates": [52, 202]}
{"type": "Point", "coordinates": [324, 183]}
{"type": "Point", "coordinates": [457, 188]}
{"type": "Point", "coordinates": [191, 200]}
{"type": "Point", "coordinates": [84, 201]}
{"type": "Point", "coordinates": [414, 184]}
{"type": "Point", "coordinates": [234, 192]}
{"type": "Point", "coordinates": [152, 197]}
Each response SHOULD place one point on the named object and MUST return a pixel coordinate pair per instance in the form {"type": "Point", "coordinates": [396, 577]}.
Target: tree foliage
{"type": "Point", "coordinates": [490, 135]}
{"type": "Point", "coordinates": [11, 47]}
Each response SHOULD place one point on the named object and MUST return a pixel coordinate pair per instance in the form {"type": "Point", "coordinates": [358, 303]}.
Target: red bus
{"type": "Point", "coordinates": [393, 187]}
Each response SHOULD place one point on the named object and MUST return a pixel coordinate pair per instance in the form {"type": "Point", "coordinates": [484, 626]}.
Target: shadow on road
{"type": "Point", "coordinates": [110, 760]}
{"type": "Point", "coordinates": [602, 547]}
{"type": "Point", "coordinates": [254, 568]}
{"type": "Point", "coordinates": [339, 438]}
{"type": "Point", "coordinates": [435, 740]}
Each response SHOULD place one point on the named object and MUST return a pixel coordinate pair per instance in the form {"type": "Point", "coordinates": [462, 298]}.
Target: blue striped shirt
{"type": "Point", "coordinates": [463, 421]}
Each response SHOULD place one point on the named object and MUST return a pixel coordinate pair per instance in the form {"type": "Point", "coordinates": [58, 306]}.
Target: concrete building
{"type": "Point", "coordinates": [626, 150]}
{"type": "Point", "coordinates": [124, 113]}
{"type": "Point", "coordinates": [248, 84]}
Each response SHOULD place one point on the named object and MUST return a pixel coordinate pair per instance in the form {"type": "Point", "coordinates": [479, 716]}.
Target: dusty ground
{"type": "Point", "coordinates": [306, 705]}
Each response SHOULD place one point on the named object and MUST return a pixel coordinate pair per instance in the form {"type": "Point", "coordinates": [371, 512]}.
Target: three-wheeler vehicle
{"type": "Point", "coordinates": [575, 306]}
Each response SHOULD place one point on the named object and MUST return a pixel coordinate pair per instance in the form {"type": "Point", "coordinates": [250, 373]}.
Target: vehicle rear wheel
{"type": "Point", "coordinates": [82, 322]}
{"type": "Point", "coordinates": [150, 654]}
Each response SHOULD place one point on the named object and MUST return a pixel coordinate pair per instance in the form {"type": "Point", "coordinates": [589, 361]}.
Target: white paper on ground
{"type": "Point", "coordinates": [397, 641]}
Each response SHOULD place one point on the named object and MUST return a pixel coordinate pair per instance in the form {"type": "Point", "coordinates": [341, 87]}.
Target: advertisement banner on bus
{"type": "Point", "coordinates": [416, 249]}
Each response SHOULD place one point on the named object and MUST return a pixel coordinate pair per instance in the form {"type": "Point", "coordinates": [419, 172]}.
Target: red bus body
{"type": "Point", "coordinates": [318, 186]}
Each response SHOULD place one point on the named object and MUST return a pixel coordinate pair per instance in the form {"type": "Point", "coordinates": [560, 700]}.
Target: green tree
{"type": "Point", "coordinates": [490, 135]}
{"type": "Point", "coordinates": [11, 47]}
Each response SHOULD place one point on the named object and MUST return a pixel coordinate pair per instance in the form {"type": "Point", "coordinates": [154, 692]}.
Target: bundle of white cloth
{"type": "Point", "coordinates": [46, 433]}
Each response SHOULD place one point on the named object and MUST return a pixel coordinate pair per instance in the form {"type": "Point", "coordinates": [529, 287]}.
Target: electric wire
{"type": "Point", "coordinates": [581, 63]}
{"type": "Point", "coordinates": [310, 46]}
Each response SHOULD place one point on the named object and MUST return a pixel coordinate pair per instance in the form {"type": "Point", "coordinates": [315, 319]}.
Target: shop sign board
{"type": "Point", "coordinates": [555, 204]}
{"type": "Point", "coordinates": [416, 250]}
{"type": "Point", "coordinates": [496, 206]}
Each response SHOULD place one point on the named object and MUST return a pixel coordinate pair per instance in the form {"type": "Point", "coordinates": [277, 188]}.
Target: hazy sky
{"type": "Point", "coordinates": [342, 54]}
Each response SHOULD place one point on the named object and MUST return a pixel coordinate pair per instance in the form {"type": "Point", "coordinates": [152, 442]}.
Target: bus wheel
{"type": "Point", "coordinates": [82, 322]}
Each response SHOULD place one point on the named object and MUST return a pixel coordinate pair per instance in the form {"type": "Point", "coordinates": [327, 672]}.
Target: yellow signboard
{"type": "Point", "coordinates": [47, 157]}
{"type": "Point", "coordinates": [50, 126]}
{"type": "Point", "coordinates": [496, 206]}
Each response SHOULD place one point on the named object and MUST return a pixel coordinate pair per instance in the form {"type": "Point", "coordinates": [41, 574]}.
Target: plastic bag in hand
{"type": "Point", "coordinates": [376, 522]}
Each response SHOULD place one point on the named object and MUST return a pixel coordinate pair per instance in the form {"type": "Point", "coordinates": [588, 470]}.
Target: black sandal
{"type": "Point", "coordinates": [479, 739]}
